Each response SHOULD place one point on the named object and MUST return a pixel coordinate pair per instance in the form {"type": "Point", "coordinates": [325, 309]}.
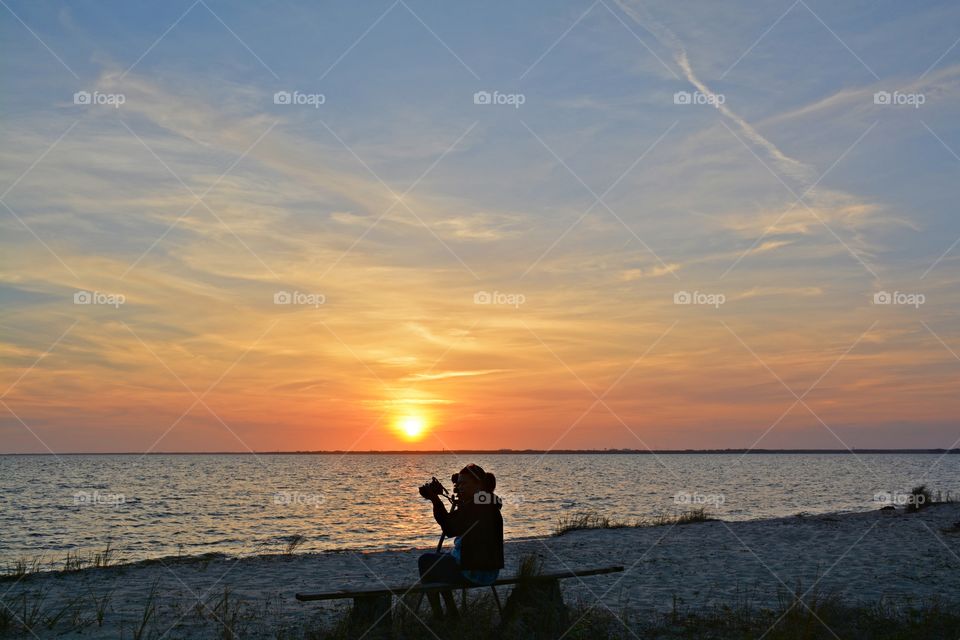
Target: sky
{"type": "Point", "coordinates": [404, 225]}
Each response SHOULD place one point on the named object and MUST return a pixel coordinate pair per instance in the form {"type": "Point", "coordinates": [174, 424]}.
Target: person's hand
{"type": "Point", "coordinates": [425, 491]}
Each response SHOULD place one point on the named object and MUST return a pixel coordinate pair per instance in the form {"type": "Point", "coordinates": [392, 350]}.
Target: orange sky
{"type": "Point", "coordinates": [408, 266]}
{"type": "Point", "coordinates": [332, 378]}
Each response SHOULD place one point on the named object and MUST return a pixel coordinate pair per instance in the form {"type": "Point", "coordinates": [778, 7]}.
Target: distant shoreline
{"type": "Point", "coordinates": [499, 452]}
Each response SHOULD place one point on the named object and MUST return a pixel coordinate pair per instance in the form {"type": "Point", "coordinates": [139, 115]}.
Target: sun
{"type": "Point", "coordinates": [411, 427]}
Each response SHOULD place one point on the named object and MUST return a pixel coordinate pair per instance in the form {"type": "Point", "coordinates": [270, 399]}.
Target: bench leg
{"type": "Point", "coordinates": [370, 612]}
{"type": "Point", "coordinates": [410, 602]}
{"type": "Point", "coordinates": [538, 604]}
{"type": "Point", "coordinates": [451, 604]}
{"type": "Point", "coordinates": [434, 598]}
{"type": "Point", "coordinates": [496, 598]}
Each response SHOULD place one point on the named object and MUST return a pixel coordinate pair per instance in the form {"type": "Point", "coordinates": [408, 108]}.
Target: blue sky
{"type": "Point", "coordinates": [797, 198]}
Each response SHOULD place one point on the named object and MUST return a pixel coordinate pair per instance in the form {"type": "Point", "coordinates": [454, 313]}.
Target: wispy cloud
{"type": "Point", "coordinates": [443, 375]}
{"type": "Point", "coordinates": [797, 170]}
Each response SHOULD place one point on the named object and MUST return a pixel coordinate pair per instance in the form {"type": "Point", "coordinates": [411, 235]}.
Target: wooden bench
{"type": "Point", "coordinates": [371, 607]}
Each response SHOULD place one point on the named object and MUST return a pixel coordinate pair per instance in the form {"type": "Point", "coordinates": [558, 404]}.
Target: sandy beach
{"type": "Point", "coordinates": [891, 556]}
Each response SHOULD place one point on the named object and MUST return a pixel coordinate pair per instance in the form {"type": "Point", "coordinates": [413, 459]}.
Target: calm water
{"type": "Point", "coordinates": [241, 504]}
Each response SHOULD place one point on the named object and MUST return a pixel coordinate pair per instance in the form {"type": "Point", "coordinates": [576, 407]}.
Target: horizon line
{"type": "Point", "coordinates": [742, 451]}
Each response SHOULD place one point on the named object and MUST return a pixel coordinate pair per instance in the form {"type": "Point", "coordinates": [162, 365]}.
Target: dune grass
{"type": "Point", "coordinates": [21, 568]}
{"type": "Point", "coordinates": [98, 560]}
{"type": "Point", "coordinates": [73, 561]}
{"type": "Point", "coordinates": [594, 520]}
{"type": "Point", "coordinates": [293, 542]}
{"type": "Point", "coordinates": [813, 616]}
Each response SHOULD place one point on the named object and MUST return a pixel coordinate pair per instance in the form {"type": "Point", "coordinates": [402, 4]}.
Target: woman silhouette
{"type": "Point", "coordinates": [477, 528]}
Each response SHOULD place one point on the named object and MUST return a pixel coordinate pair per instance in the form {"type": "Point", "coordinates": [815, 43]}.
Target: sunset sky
{"type": "Point", "coordinates": [464, 274]}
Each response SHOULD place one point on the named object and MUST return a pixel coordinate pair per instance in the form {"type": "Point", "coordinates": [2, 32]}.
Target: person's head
{"type": "Point", "coordinates": [472, 480]}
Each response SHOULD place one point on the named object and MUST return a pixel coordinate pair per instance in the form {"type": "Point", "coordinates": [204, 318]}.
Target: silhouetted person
{"type": "Point", "coordinates": [477, 528]}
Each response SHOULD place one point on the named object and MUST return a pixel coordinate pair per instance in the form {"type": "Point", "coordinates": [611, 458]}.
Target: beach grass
{"type": "Point", "coordinates": [98, 560]}
{"type": "Point", "coordinates": [594, 520]}
{"type": "Point", "coordinates": [293, 542]}
{"type": "Point", "coordinates": [22, 567]}
{"type": "Point", "coordinates": [811, 616]}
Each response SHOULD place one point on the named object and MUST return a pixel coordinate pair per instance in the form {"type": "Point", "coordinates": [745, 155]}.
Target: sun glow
{"type": "Point", "coordinates": [411, 427]}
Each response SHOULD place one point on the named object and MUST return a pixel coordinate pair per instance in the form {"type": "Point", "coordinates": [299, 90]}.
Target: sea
{"type": "Point", "coordinates": [159, 505]}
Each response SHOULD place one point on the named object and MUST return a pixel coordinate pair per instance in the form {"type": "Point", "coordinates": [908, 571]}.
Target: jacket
{"type": "Point", "coordinates": [481, 529]}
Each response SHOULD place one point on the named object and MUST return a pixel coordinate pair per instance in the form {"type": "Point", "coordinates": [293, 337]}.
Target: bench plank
{"type": "Point", "coordinates": [419, 587]}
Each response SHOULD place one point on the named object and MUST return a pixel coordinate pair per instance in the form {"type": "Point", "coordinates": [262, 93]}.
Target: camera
{"type": "Point", "coordinates": [432, 489]}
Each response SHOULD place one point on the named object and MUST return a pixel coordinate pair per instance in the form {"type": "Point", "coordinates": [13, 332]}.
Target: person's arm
{"type": "Point", "coordinates": [453, 523]}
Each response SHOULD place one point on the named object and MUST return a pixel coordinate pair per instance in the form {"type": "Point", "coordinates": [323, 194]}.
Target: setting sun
{"type": "Point", "coordinates": [411, 427]}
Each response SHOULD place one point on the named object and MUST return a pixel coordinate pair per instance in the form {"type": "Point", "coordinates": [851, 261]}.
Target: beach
{"type": "Point", "coordinates": [888, 556]}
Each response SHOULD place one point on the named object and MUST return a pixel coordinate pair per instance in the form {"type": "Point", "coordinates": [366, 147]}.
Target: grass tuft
{"type": "Point", "coordinates": [22, 568]}
{"type": "Point", "coordinates": [100, 604]}
{"type": "Point", "coordinates": [798, 615]}
{"type": "Point", "coordinates": [149, 611]}
{"type": "Point", "coordinates": [920, 498]}
{"type": "Point", "coordinates": [530, 566]}
{"type": "Point", "coordinates": [294, 542]}
{"type": "Point", "coordinates": [593, 520]}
